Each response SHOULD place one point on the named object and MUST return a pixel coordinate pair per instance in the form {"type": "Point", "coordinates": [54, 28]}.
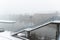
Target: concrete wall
{"type": "Point", "coordinates": [47, 31]}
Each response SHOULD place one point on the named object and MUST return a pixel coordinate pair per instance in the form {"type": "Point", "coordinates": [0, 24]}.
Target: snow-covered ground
{"type": "Point", "coordinates": [7, 36]}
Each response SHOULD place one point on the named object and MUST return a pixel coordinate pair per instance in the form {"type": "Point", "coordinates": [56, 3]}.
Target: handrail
{"type": "Point", "coordinates": [32, 29]}
{"type": "Point", "coordinates": [41, 26]}
{"type": "Point", "coordinates": [48, 20]}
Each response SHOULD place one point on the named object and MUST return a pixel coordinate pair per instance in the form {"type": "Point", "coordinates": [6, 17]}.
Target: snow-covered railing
{"type": "Point", "coordinates": [28, 30]}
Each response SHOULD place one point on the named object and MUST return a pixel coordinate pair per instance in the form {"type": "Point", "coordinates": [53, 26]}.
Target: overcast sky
{"type": "Point", "coordinates": [28, 6]}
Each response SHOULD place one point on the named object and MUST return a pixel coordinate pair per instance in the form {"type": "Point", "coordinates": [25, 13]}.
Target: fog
{"type": "Point", "coordinates": [20, 10]}
{"type": "Point", "coordinates": [28, 6]}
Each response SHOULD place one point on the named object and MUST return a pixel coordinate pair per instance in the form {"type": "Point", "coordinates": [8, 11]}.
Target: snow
{"type": "Point", "coordinates": [3, 21]}
{"type": "Point", "coordinates": [7, 36]}
{"type": "Point", "coordinates": [21, 34]}
{"type": "Point", "coordinates": [28, 29]}
{"type": "Point", "coordinates": [56, 21]}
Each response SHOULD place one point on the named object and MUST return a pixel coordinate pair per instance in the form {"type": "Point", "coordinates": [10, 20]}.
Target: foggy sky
{"type": "Point", "coordinates": [28, 6]}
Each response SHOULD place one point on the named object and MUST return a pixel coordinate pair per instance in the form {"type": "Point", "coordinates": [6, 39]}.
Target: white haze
{"type": "Point", "coordinates": [28, 6]}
